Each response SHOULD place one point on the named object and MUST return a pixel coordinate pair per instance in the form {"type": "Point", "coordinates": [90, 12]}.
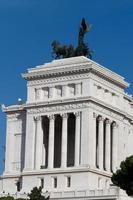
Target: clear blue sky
{"type": "Point", "coordinates": [27, 28]}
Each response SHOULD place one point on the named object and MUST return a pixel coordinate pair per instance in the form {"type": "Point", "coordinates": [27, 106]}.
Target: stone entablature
{"type": "Point", "coordinates": [69, 104]}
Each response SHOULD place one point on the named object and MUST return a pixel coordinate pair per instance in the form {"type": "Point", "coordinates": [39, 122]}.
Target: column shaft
{"type": "Point", "coordinates": [43, 156]}
{"type": "Point", "coordinates": [51, 142]}
{"type": "Point", "coordinates": [114, 147]}
{"type": "Point", "coordinates": [94, 140]}
{"type": "Point", "coordinates": [77, 139]}
{"type": "Point", "coordinates": [64, 141]}
{"type": "Point", "coordinates": [30, 139]}
{"type": "Point", "coordinates": [39, 143]}
{"type": "Point", "coordinates": [100, 143]}
{"type": "Point", "coordinates": [107, 145]}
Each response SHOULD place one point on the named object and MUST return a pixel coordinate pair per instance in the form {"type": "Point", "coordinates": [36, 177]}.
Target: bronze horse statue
{"type": "Point", "coordinates": [67, 51]}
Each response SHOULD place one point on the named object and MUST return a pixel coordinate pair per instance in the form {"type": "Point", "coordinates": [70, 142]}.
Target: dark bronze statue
{"type": "Point", "coordinates": [68, 51]}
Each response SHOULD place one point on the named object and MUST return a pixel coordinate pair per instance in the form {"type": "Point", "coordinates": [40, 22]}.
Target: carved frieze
{"type": "Point", "coordinates": [57, 108]}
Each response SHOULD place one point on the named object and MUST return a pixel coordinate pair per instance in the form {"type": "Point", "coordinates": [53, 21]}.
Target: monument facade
{"type": "Point", "coordinates": [72, 132]}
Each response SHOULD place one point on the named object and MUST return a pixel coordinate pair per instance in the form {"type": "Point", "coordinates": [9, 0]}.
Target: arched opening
{"type": "Point", "coordinates": [71, 140]}
{"type": "Point", "coordinates": [45, 126]}
{"type": "Point", "coordinates": [57, 141]}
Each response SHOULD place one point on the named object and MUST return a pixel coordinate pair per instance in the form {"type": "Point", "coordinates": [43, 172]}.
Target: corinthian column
{"type": "Point", "coordinates": [107, 145]}
{"type": "Point", "coordinates": [77, 139]}
{"type": "Point", "coordinates": [51, 142]}
{"type": "Point", "coordinates": [114, 146]}
{"type": "Point", "coordinates": [39, 142]}
{"type": "Point", "coordinates": [100, 143]}
{"type": "Point", "coordinates": [64, 141]}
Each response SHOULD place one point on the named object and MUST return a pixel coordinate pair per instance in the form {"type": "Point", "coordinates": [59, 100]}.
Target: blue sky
{"type": "Point", "coordinates": [27, 28]}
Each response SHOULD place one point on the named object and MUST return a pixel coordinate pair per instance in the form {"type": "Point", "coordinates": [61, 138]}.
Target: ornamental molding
{"type": "Point", "coordinates": [75, 68]}
{"type": "Point", "coordinates": [58, 79]}
{"type": "Point", "coordinates": [57, 108]}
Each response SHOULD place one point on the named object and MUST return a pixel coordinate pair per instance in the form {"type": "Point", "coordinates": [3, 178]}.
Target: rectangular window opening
{"type": "Point", "coordinates": [42, 183]}
{"type": "Point", "coordinates": [55, 182]}
{"type": "Point", "coordinates": [68, 181]}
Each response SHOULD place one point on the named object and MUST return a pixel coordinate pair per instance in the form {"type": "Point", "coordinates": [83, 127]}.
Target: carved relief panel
{"type": "Point", "coordinates": [58, 91]}
{"type": "Point", "coordinates": [71, 89]}
{"type": "Point", "coordinates": [45, 93]}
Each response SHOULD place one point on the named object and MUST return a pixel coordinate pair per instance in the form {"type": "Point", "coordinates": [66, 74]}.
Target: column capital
{"type": "Point", "coordinates": [37, 118]}
{"type": "Point", "coordinates": [64, 115]}
{"type": "Point", "coordinates": [114, 125]}
{"type": "Point", "coordinates": [51, 117]}
{"type": "Point", "coordinates": [77, 114]}
{"type": "Point", "coordinates": [107, 121]}
{"type": "Point", "coordinates": [94, 115]}
{"type": "Point", "coordinates": [100, 119]}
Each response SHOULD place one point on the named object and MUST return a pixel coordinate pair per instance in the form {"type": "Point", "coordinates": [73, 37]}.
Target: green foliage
{"type": "Point", "coordinates": [124, 176]}
{"type": "Point", "coordinates": [36, 194]}
{"type": "Point", "coordinates": [10, 198]}
{"type": "Point", "coordinates": [7, 198]}
{"type": "Point", "coordinates": [20, 199]}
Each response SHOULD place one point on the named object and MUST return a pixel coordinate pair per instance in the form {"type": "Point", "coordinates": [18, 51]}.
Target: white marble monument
{"type": "Point", "coordinates": [71, 134]}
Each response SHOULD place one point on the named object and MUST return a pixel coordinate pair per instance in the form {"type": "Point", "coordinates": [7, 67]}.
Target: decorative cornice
{"type": "Point", "coordinates": [52, 80]}
{"type": "Point", "coordinates": [13, 108]}
{"type": "Point", "coordinates": [74, 66]}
